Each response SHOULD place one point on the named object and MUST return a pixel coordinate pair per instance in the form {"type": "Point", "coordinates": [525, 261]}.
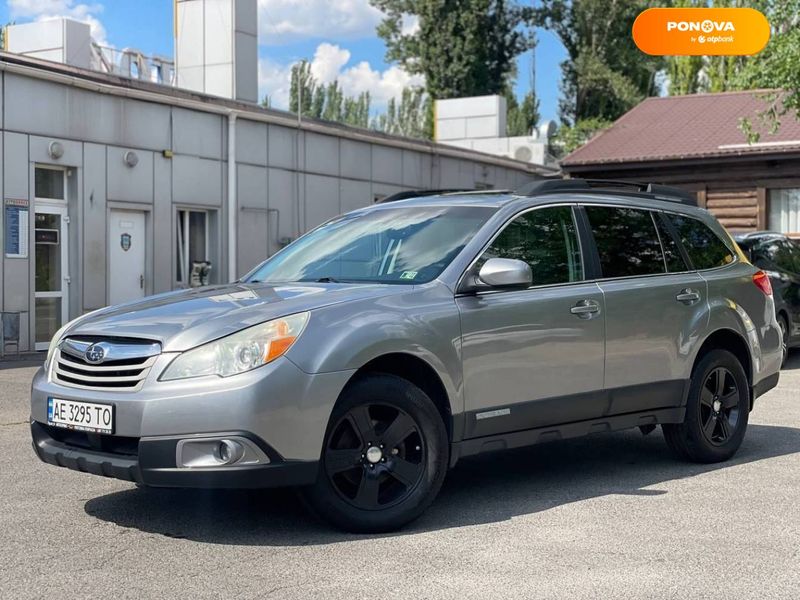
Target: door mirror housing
{"type": "Point", "coordinates": [505, 273]}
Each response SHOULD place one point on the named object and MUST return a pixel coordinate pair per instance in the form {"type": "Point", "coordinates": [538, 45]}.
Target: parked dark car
{"type": "Point", "coordinates": [778, 256]}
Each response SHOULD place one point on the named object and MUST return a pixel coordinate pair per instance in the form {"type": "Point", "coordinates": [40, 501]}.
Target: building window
{"type": "Point", "coordinates": [193, 248]}
{"type": "Point", "coordinates": [49, 183]}
{"type": "Point", "coordinates": [784, 210]}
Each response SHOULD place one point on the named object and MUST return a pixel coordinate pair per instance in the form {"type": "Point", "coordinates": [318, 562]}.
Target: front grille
{"type": "Point", "coordinates": [109, 444]}
{"type": "Point", "coordinates": [126, 373]}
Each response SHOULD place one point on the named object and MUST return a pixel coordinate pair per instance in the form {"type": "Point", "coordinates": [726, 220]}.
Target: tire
{"type": "Point", "coordinates": [716, 413]}
{"type": "Point", "coordinates": [784, 325]}
{"type": "Point", "coordinates": [384, 457]}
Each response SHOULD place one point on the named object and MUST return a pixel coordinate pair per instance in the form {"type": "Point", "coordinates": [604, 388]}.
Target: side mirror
{"type": "Point", "coordinates": [506, 273]}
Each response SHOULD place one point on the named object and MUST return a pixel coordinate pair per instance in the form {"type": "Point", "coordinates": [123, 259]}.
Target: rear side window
{"type": "Point", "coordinates": [626, 240]}
{"type": "Point", "coordinates": [546, 239]}
{"type": "Point", "coordinates": [703, 246]}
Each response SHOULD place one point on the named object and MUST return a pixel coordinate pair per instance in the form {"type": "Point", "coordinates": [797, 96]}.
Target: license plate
{"type": "Point", "coordinates": [83, 416]}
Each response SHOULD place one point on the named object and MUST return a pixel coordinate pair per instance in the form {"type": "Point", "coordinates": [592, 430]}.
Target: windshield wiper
{"type": "Point", "coordinates": [326, 280]}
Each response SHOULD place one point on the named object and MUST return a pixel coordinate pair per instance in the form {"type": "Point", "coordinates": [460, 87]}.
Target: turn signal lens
{"type": "Point", "coordinates": [762, 281]}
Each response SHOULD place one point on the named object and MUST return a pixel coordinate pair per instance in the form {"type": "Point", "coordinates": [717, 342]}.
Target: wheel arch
{"type": "Point", "coordinates": [419, 372]}
{"type": "Point", "coordinates": [733, 342]}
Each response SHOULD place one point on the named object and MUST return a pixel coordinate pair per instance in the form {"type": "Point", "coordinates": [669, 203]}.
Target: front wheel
{"type": "Point", "coordinates": [384, 457]}
{"type": "Point", "coordinates": [716, 411]}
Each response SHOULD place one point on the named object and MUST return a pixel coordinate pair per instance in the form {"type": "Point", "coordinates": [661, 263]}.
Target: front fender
{"type": "Point", "coordinates": [423, 322]}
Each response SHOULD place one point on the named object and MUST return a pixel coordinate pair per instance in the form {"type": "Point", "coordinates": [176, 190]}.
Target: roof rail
{"type": "Point", "coordinates": [655, 190]}
{"type": "Point", "coordinates": [405, 194]}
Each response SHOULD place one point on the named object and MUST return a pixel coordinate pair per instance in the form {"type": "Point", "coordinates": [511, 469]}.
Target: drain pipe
{"type": "Point", "coordinates": [232, 205]}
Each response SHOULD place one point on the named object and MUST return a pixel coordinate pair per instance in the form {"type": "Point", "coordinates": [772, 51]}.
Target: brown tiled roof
{"type": "Point", "coordinates": [681, 127]}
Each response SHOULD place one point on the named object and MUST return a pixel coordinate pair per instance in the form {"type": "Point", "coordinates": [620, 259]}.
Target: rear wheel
{"type": "Point", "coordinates": [384, 458]}
{"type": "Point", "coordinates": [716, 411]}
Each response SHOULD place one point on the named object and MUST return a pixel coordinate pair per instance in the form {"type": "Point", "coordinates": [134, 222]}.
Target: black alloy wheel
{"type": "Point", "coordinates": [719, 406]}
{"type": "Point", "coordinates": [375, 456]}
{"type": "Point", "coordinates": [717, 410]}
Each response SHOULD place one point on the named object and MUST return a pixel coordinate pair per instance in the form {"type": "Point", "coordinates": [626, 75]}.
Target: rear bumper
{"type": "Point", "coordinates": [154, 464]}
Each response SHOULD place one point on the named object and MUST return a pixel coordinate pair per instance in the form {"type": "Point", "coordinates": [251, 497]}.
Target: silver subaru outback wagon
{"type": "Point", "coordinates": [367, 357]}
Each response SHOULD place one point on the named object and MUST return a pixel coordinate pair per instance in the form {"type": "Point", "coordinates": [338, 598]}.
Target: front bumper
{"type": "Point", "coordinates": [278, 403]}
{"type": "Point", "coordinates": [152, 461]}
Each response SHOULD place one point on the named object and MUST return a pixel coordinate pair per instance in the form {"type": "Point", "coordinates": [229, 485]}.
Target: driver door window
{"type": "Point", "coordinates": [546, 239]}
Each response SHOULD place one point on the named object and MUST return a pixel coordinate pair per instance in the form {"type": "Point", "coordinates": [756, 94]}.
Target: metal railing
{"type": "Point", "coordinates": [129, 62]}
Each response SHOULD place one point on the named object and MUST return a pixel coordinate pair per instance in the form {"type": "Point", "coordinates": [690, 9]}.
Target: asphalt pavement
{"type": "Point", "coordinates": [608, 516]}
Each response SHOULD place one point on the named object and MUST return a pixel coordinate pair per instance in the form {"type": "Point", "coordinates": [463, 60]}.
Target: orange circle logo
{"type": "Point", "coordinates": [701, 31]}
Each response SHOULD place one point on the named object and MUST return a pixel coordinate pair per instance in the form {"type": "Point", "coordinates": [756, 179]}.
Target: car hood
{"type": "Point", "coordinates": [184, 319]}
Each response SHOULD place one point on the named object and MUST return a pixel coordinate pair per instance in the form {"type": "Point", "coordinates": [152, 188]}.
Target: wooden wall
{"type": "Point", "coordinates": [737, 210]}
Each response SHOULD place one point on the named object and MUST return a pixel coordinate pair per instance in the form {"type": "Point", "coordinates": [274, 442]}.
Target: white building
{"type": "Point", "coordinates": [479, 123]}
{"type": "Point", "coordinates": [115, 184]}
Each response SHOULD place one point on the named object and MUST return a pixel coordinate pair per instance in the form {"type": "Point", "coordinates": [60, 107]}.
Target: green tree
{"type": "Point", "coordinates": [410, 117]}
{"type": "Point", "coordinates": [572, 137]}
{"type": "Point", "coordinates": [462, 47]}
{"type": "Point", "coordinates": [522, 117]}
{"type": "Point", "coordinates": [777, 67]}
{"type": "Point", "coordinates": [302, 88]}
{"type": "Point", "coordinates": [605, 75]}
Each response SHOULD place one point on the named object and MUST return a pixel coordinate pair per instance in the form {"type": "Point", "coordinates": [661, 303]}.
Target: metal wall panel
{"type": "Point", "coordinates": [39, 151]}
{"type": "Point", "coordinates": [354, 194]}
{"type": "Point", "coordinates": [144, 125]}
{"type": "Point", "coordinates": [412, 169]}
{"type": "Point", "coordinates": [282, 146]}
{"type": "Point", "coordinates": [196, 133]}
{"type": "Point", "coordinates": [163, 225]}
{"type": "Point", "coordinates": [356, 161]}
{"type": "Point", "coordinates": [94, 269]}
{"type": "Point", "coordinates": [2, 215]}
{"type": "Point", "coordinates": [282, 196]}
{"type": "Point", "coordinates": [16, 271]}
{"type": "Point", "coordinates": [386, 165]}
{"type": "Point", "coordinates": [251, 187]}
{"type": "Point", "coordinates": [131, 184]}
{"type": "Point", "coordinates": [322, 199]}
{"type": "Point", "coordinates": [197, 181]}
{"type": "Point", "coordinates": [251, 142]}
{"type": "Point", "coordinates": [253, 245]}
{"type": "Point", "coordinates": [322, 154]}
{"type": "Point", "coordinates": [35, 106]}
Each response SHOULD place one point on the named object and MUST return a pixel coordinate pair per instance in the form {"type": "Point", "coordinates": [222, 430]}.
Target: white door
{"type": "Point", "coordinates": [51, 271]}
{"type": "Point", "coordinates": [126, 239]}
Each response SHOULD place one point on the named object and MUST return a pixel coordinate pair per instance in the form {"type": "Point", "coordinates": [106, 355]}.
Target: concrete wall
{"type": "Point", "coordinates": [288, 180]}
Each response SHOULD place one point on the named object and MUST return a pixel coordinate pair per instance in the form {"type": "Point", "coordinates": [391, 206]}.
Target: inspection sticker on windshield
{"type": "Point", "coordinates": [408, 274]}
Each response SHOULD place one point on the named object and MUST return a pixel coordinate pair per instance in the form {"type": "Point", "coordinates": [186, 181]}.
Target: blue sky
{"type": "Point", "coordinates": [338, 36]}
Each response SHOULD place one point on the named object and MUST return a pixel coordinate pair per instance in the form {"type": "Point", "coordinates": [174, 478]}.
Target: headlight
{"type": "Point", "coordinates": [240, 352]}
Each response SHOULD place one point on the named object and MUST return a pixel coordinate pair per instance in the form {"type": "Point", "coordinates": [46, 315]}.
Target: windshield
{"type": "Point", "coordinates": [394, 245]}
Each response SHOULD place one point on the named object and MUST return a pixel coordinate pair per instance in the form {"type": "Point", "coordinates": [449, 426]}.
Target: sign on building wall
{"type": "Point", "coordinates": [16, 230]}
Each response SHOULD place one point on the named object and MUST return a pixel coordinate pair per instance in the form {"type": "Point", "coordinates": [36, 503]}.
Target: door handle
{"type": "Point", "coordinates": [688, 296]}
{"type": "Point", "coordinates": [585, 309]}
{"type": "Point", "coordinates": [141, 281]}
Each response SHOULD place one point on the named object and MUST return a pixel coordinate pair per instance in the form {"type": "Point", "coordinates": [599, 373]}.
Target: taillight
{"type": "Point", "coordinates": [762, 281]}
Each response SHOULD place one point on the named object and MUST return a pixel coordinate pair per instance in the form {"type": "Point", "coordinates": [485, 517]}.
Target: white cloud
{"type": "Point", "coordinates": [42, 10]}
{"type": "Point", "coordinates": [331, 62]}
{"type": "Point", "coordinates": [283, 21]}
{"type": "Point", "coordinates": [410, 25]}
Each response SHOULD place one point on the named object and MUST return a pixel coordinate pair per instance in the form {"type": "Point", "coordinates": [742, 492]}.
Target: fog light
{"type": "Point", "coordinates": [229, 451]}
{"type": "Point", "coordinates": [222, 451]}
